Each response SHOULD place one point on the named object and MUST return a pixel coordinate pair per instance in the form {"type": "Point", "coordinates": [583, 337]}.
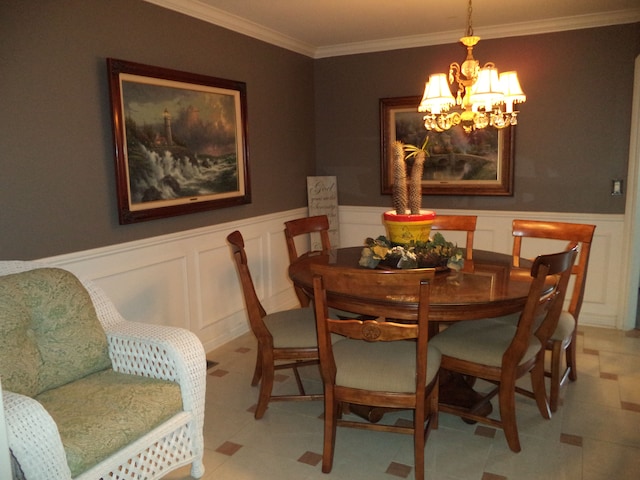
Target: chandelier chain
{"type": "Point", "coordinates": [469, 24]}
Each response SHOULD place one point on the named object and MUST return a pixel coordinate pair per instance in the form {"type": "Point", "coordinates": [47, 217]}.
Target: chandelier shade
{"type": "Point", "coordinates": [484, 96]}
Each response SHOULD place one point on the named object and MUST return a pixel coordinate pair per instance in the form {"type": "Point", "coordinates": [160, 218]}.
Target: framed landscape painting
{"type": "Point", "coordinates": [180, 141]}
{"type": "Point", "coordinates": [459, 163]}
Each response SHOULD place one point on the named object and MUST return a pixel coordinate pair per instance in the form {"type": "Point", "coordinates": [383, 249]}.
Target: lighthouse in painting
{"type": "Point", "coordinates": [167, 127]}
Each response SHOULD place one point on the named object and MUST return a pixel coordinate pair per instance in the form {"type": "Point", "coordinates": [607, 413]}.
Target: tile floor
{"type": "Point", "coordinates": [595, 435]}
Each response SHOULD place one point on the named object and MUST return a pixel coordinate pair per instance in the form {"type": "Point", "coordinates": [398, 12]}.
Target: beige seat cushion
{"type": "Point", "coordinates": [481, 341]}
{"type": "Point", "coordinates": [565, 328]}
{"type": "Point", "coordinates": [103, 412]}
{"type": "Point", "coordinates": [294, 328]}
{"type": "Point", "coordinates": [381, 366]}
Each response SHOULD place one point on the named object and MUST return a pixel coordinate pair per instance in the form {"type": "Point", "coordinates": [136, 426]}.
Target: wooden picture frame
{"type": "Point", "coordinates": [180, 141]}
{"type": "Point", "coordinates": [478, 163]}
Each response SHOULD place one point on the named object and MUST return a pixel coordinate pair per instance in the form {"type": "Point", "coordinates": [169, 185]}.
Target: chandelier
{"type": "Point", "coordinates": [484, 97]}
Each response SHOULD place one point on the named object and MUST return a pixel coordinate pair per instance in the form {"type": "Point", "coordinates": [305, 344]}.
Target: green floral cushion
{"type": "Point", "coordinates": [101, 413]}
{"type": "Point", "coordinates": [50, 330]}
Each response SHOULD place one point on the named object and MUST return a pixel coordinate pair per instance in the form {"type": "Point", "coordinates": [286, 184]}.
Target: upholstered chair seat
{"type": "Point", "coordinates": [295, 328]}
{"type": "Point", "coordinates": [491, 338]}
{"type": "Point", "coordinates": [381, 366]}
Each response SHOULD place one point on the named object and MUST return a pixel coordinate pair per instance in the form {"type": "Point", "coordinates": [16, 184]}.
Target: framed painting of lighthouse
{"type": "Point", "coordinates": [180, 141]}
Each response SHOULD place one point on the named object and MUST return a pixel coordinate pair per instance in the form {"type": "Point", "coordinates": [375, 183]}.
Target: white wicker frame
{"type": "Point", "coordinates": [140, 349]}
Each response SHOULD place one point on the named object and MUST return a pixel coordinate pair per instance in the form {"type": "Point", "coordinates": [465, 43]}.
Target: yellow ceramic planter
{"type": "Point", "coordinates": [407, 228]}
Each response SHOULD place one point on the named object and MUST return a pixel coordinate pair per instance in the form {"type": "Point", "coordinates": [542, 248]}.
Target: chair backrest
{"type": "Point", "coordinates": [308, 225]}
{"type": "Point", "coordinates": [542, 309]}
{"type": "Point", "coordinates": [572, 233]}
{"type": "Point", "coordinates": [388, 285]}
{"type": "Point", "coordinates": [255, 310]}
{"type": "Point", "coordinates": [458, 223]}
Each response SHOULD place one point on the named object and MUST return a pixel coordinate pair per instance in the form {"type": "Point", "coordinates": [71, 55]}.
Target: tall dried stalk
{"type": "Point", "coordinates": [400, 198]}
{"type": "Point", "coordinates": [415, 184]}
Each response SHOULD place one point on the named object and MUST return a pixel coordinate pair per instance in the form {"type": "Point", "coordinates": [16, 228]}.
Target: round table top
{"type": "Point", "coordinates": [487, 286]}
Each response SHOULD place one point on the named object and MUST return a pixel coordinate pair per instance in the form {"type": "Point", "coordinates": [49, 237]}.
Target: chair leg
{"type": "Point", "coordinates": [302, 297]}
{"type": "Point", "coordinates": [538, 387]}
{"type": "Point", "coordinates": [330, 425]}
{"type": "Point", "coordinates": [507, 401]}
{"type": "Point", "coordinates": [571, 358]}
{"type": "Point", "coordinates": [266, 386]}
{"type": "Point", "coordinates": [556, 374]}
{"type": "Point", "coordinates": [433, 409]}
{"type": "Point", "coordinates": [296, 374]}
{"type": "Point", "coordinates": [419, 419]}
{"type": "Point", "coordinates": [257, 373]}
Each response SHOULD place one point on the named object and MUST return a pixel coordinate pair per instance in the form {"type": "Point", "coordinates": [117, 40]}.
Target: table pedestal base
{"type": "Point", "coordinates": [455, 391]}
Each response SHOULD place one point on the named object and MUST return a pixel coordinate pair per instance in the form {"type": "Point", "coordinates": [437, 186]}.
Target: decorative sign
{"type": "Point", "coordinates": [322, 194]}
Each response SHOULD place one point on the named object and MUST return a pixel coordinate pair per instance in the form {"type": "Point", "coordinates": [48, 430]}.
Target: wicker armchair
{"type": "Point", "coordinates": [166, 358]}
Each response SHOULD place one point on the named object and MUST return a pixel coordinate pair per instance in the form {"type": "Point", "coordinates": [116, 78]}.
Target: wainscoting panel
{"type": "Point", "coordinates": [189, 279]}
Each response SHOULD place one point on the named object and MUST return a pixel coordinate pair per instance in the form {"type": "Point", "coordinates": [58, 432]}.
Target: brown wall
{"type": "Point", "coordinates": [305, 117]}
{"type": "Point", "coordinates": [573, 133]}
{"type": "Point", "coordinates": [57, 176]}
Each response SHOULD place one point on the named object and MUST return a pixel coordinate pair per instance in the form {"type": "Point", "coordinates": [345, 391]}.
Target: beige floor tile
{"type": "Point", "coordinates": [629, 388]}
{"type": "Point", "coordinates": [607, 461]}
{"type": "Point", "coordinates": [601, 440]}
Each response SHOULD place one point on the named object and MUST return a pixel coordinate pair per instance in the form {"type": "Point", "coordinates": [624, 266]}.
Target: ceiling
{"type": "Point", "coordinates": [324, 28]}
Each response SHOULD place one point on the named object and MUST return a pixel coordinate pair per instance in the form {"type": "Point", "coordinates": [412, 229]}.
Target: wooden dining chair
{"type": "Point", "coordinates": [563, 338]}
{"type": "Point", "coordinates": [501, 352]}
{"type": "Point", "coordinates": [288, 336]}
{"type": "Point", "coordinates": [458, 223]}
{"type": "Point", "coordinates": [376, 363]}
{"type": "Point", "coordinates": [315, 225]}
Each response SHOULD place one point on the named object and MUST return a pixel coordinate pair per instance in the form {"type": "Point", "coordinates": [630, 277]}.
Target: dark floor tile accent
{"type": "Point", "coordinates": [310, 458]}
{"type": "Point", "coordinates": [590, 351]}
{"type": "Point", "coordinates": [278, 377]}
{"type": "Point", "coordinates": [243, 350]}
{"type": "Point", "coordinates": [404, 422]}
{"type": "Point", "coordinates": [399, 470]}
{"type": "Point", "coordinates": [485, 431]}
{"type": "Point", "coordinates": [228, 448]}
{"type": "Point", "coordinates": [633, 407]}
{"type": "Point", "coordinates": [569, 439]}
{"type": "Point", "coordinates": [493, 476]}
{"type": "Point", "coordinates": [218, 373]}
{"type": "Point", "coordinates": [211, 364]}
{"type": "Point", "coordinates": [608, 376]}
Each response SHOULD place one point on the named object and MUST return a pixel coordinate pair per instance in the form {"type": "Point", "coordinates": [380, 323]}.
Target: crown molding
{"type": "Point", "coordinates": [202, 11]}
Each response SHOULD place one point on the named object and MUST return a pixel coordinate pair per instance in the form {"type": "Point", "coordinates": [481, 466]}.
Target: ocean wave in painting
{"type": "Point", "coordinates": [169, 173]}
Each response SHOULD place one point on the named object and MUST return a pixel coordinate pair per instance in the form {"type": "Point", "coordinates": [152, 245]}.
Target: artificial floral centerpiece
{"type": "Point", "coordinates": [436, 253]}
{"type": "Point", "coordinates": [408, 227]}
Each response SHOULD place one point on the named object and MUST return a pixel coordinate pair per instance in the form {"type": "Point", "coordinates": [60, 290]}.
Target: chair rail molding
{"type": "Point", "coordinates": [188, 279]}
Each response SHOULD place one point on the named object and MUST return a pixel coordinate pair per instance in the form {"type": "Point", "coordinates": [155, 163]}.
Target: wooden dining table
{"type": "Point", "coordinates": [487, 286]}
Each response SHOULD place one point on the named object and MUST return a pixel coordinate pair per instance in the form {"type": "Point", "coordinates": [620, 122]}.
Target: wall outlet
{"type": "Point", "coordinates": [616, 187]}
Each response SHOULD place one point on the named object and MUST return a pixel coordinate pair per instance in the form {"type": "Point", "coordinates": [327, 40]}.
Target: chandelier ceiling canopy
{"type": "Point", "coordinates": [483, 98]}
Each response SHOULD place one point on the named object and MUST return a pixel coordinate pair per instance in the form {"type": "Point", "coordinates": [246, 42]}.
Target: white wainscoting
{"type": "Point", "coordinates": [189, 280]}
{"type": "Point", "coordinates": [602, 303]}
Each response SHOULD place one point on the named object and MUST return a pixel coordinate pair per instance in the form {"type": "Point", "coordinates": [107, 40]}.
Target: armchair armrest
{"type": "Point", "coordinates": [163, 352]}
{"type": "Point", "coordinates": [34, 438]}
